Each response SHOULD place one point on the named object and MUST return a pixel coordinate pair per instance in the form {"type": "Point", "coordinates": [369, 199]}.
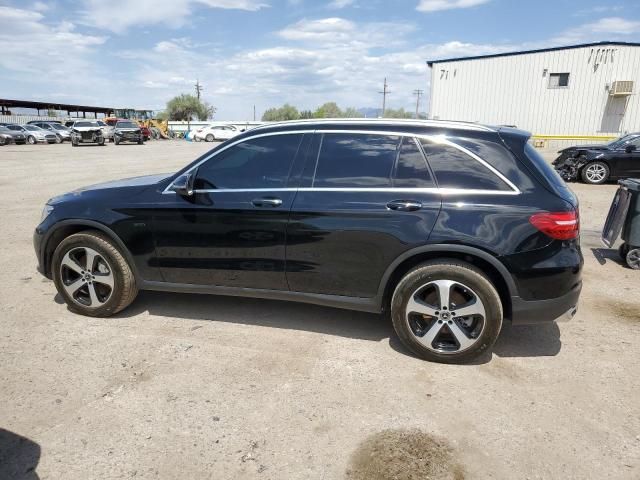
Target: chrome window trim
{"type": "Point", "coordinates": [438, 139]}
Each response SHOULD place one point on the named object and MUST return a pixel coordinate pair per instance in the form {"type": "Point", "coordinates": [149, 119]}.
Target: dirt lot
{"type": "Point", "coordinates": [195, 387]}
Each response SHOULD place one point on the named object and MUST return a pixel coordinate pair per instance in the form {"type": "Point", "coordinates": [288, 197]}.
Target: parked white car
{"type": "Point", "coordinates": [215, 132]}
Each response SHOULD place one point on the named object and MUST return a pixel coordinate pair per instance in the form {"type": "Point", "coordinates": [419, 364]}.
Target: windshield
{"type": "Point", "coordinates": [4, 129]}
{"type": "Point", "coordinates": [126, 125]}
{"type": "Point", "coordinates": [101, 123]}
{"type": "Point", "coordinates": [618, 142]}
{"type": "Point", "coordinates": [85, 124]}
{"type": "Point", "coordinates": [33, 128]}
{"type": "Point", "coordinates": [57, 126]}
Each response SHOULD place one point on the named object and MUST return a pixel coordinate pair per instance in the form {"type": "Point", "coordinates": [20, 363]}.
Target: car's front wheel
{"type": "Point", "coordinates": [446, 311]}
{"type": "Point", "coordinates": [595, 173]}
{"type": "Point", "coordinates": [210, 138]}
{"type": "Point", "coordinates": [92, 276]}
{"type": "Point", "coordinates": [31, 139]}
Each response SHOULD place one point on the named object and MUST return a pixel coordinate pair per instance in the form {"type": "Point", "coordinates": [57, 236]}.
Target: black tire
{"type": "Point", "coordinates": [101, 142]}
{"type": "Point", "coordinates": [115, 141]}
{"type": "Point", "coordinates": [595, 173]}
{"type": "Point", "coordinates": [210, 137]}
{"type": "Point", "coordinates": [140, 142]}
{"type": "Point", "coordinates": [623, 249]}
{"type": "Point", "coordinates": [58, 139]}
{"type": "Point", "coordinates": [124, 289]}
{"type": "Point", "coordinates": [31, 140]}
{"type": "Point", "coordinates": [461, 273]}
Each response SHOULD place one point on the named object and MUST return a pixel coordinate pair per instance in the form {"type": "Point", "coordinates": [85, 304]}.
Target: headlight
{"type": "Point", "coordinates": [45, 212]}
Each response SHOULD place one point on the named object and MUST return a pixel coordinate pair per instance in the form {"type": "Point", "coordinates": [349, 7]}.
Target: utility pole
{"type": "Point", "coordinates": [418, 94]}
{"type": "Point", "coordinates": [198, 89]}
{"type": "Point", "coordinates": [385, 92]}
{"type": "Point", "coordinates": [254, 113]}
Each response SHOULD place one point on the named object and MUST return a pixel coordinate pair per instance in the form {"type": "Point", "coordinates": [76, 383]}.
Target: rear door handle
{"type": "Point", "coordinates": [269, 202]}
{"type": "Point", "coordinates": [404, 205]}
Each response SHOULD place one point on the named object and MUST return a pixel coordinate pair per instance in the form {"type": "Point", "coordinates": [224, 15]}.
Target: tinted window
{"type": "Point", "coordinates": [356, 160]}
{"type": "Point", "coordinates": [543, 167]}
{"type": "Point", "coordinates": [455, 169]}
{"type": "Point", "coordinates": [259, 163]}
{"type": "Point", "coordinates": [412, 170]}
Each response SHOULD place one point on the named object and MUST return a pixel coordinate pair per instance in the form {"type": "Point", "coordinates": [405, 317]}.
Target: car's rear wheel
{"type": "Point", "coordinates": [633, 257]}
{"type": "Point", "coordinates": [210, 138]}
{"type": "Point", "coordinates": [595, 173]}
{"type": "Point", "coordinates": [446, 311]}
{"type": "Point", "coordinates": [92, 276]}
{"type": "Point", "coordinates": [31, 139]}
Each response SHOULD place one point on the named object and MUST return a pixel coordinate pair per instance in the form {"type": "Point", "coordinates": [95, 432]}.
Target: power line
{"type": "Point", "coordinates": [199, 89]}
{"type": "Point", "coordinates": [385, 92]}
{"type": "Point", "coordinates": [418, 94]}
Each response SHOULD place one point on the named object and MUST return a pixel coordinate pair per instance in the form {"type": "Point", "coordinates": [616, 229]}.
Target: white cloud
{"type": "Point", "coordinates": [613, 27]}
{"type": "Point", "coordinates": [437, 5]}
{"type": "Point", "coordinates": [40, 7]}
{"type": "Point", "coordinates": [119, 15]}
{"type": "Point", "coordinates": [332, 29]}
{"type": "Point", "coordinates": [338, 4]}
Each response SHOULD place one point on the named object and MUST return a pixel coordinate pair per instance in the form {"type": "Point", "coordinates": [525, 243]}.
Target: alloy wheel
{"type": "Point", "coordinates": [596, 173]}
{"type": "Point", "coordinates": [87, 277]}
{"type": "Point", "coordinates": [445, 316]}
{"type": "Point", "coordinates": [633, 258]}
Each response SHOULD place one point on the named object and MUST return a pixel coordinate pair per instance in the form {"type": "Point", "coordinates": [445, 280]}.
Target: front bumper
{"type": "Point", "coordinates": [544, 311]}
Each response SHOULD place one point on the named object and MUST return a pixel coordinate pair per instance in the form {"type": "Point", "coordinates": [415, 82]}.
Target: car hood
{"type": "Point", "coordinates": [86, 129]}
{"type": "Point", "coordinates": [13, 133]}
{"type": "Point", "coordinates": [601, 146]}
{"type": "Point", "coordinates": [121, 188]}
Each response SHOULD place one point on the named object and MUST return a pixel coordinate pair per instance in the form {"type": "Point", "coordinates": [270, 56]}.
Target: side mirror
{"type": "Point", "coordinates": [183, 185]}
{"type": "Point", "coordinates": [630, 148]}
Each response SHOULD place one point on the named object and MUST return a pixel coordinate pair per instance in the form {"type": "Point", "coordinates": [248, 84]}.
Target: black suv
{"type": "Point", "coordinates": [127, 131]}
{"type": "Point", "coordinates": [450, 227]}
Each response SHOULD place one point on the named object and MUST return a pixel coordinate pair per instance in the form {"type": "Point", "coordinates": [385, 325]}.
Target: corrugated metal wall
{"type": "Point", "coordinates": [514, 90]}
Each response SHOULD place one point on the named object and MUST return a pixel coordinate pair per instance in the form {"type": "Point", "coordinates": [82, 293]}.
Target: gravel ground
{"type": "Point", "coordinates": [195, 387]}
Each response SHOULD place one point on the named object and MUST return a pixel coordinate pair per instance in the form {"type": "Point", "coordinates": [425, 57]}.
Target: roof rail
{"type": "Point", "coordinates": [382, 121]}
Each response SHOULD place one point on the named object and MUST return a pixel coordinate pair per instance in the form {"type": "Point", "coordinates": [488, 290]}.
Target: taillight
{"type": "Point", "coordinates": [557, 225]}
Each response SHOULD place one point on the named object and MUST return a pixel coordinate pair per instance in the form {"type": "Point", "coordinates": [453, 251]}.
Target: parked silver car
{"type": "Point", "coordinates": [63, 133]}
{"type": "Point", "coordinates": [34, 134]}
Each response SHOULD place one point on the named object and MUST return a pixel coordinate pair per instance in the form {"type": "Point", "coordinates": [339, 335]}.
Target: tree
{"type": "Point", "coordinates": [400, 113]}
{"type": "Point", "coordinates": [286, 112]}
{"type": "Point", "coordinates": [306, 114]}
{"type": "Point", "coordinates": [328, 110]}
{"type": "Point", "coordinates": [187, 108]}
{"type": "Point", "coordinates": [351, 113]}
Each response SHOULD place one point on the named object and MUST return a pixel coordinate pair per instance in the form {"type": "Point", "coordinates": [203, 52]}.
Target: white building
{"type": "Point", "coordinates": [563, 95]}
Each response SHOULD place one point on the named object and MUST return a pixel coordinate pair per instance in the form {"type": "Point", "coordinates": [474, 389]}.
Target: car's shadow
{"type": "Point", "coordinates": [19, 457]}
{"type": "Point", "coordinates": [514, 341]}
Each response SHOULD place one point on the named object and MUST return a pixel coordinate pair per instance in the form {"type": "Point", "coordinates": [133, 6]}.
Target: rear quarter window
{"type": "Point", "coordinates": [454, 168]}
{"type": "Point", "coordinates": [543, 167]}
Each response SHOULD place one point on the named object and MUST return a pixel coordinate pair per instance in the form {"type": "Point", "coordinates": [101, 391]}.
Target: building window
{"type": "Point", "coordinates": [558, 80]}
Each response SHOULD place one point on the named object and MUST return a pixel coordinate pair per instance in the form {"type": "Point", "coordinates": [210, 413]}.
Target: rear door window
{"type": "Point", "coordinates": [350, 160]}
{"type": "Point", "coordinates": [411, 169]}
{"type": "Point", "coordinates": [454, 168]}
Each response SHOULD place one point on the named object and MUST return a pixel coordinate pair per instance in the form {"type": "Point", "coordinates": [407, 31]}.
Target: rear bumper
{"type": "Point", "coordinates": [545, 311]}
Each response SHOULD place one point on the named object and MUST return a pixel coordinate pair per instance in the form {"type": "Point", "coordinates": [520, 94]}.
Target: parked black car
{"type": "Point", "coordinates": [450, 227]}
{"type": "Point", "coordinates": [596, 164]}
{"type": "Point", "coordinates": [8, 136]}
{"type": "Point", "coordinates": [127, 131]}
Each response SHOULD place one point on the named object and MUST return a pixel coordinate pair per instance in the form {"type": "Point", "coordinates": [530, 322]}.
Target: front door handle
{"type": "Point", "coordinates": [404, 205]}
{"type": "Point", "coordinates": [269, 202]}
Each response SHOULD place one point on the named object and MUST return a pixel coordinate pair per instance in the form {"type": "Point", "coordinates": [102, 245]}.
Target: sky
{"type": "Point", "coordinates": [140, 53]}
